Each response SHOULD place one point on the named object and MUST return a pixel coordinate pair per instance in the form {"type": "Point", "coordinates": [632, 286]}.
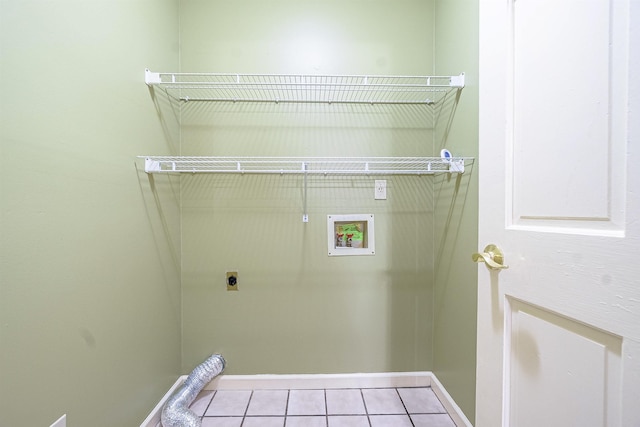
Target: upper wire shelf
{"type": "Point", "coordinates": [305, 88]}
{"type": "Point", "coordinates": [310, 165]}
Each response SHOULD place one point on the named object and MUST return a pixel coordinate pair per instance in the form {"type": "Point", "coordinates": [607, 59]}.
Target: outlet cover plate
{"type": "Point", "coordinates": [232, 280]}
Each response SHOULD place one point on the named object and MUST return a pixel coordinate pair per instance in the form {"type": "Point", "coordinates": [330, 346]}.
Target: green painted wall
{"type": "Point", "coordinates": [456, 210]}
{"type": "Point", "coordinates": [89, 248]}
{"type": "Point", "coordinates": [298, 310]}
{"type": "Point", "coordinates": [93, 251]}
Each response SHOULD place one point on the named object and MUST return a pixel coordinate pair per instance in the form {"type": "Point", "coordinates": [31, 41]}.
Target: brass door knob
{"type": "Point", "coordinates": [492, 257]}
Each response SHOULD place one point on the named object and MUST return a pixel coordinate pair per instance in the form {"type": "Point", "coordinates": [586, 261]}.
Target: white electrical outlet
{"type": "Point", "coordinates": [381, 189]}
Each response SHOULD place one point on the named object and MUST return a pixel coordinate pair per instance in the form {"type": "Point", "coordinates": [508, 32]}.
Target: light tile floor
{"type": "Point", "coordinates": [371, 407]}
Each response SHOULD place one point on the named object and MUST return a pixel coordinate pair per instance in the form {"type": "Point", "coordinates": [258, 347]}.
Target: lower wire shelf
{"type": "Point", "coordinates": [308, 165]}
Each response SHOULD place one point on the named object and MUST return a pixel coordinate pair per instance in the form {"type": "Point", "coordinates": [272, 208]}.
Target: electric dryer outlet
{"type": "Point", "coordinates": [232, 280]}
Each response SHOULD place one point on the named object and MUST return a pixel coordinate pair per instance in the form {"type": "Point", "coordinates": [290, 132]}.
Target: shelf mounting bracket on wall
{"type": "Point", "coordinates": [305, 214]}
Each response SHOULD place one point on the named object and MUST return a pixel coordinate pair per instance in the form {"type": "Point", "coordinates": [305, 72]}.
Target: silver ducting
{"type": "Point", "coordinates": [176, 412]}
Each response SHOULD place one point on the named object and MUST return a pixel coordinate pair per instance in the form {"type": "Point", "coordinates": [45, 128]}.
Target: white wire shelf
{"type": "Point", "coordinates": [305, 88]}
{"type": "Point", "coordinates": [307, 166]}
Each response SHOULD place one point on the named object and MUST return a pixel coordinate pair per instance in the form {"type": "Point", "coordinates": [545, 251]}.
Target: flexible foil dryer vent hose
{"type": "Point", "coordinates": [176, 412]}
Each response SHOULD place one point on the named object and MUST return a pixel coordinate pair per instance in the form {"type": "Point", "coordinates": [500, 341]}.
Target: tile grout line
{"type": "Point", "coordinates": [208, 404]}
{"type": "Point", "coordinates": [326, 409]}
{"type": "Point", "coordinates": [405, 407]}
{"type": "Point", "coordinates": [246, 410]}
{"type": "Point", "coordinates": [286, 407]}
{"type": "Point", "coordinates": [366, 410]}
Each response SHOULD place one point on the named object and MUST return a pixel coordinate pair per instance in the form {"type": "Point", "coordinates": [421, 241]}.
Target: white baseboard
{"type": "Point", "coordinates": [61, 422]}
{"type": "Point", "coordinates": [322, 381]}
{"type": "Point", "coordinates": [153, 418]}
{"type": "Point", "coordinates": [317, 381]}
{"type": "Point", "coordinates": [449, 404]}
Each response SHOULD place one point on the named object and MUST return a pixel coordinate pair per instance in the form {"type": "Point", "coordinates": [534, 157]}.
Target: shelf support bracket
{"type": "Point", "coordinates": [305, 216]}
{"type": "Point", "coordinates": [456, 166]}
{"type": "Point", "coordinates": [151, 78]}
{"type": "Point", "coordinates": [457, 81]}
{"type": "Point", "coordinates": [151, 166]}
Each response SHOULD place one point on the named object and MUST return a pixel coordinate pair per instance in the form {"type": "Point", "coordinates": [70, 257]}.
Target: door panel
{"type": "Point", "coordinates": [566, 86]}
{"type": "Point", "coordinates": [555, 359]}
{"type": "Point", "coordinates": [561, 92]}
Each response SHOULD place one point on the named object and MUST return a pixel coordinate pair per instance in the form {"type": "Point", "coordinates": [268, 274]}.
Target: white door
{"type": "Point", "coordinates": [559, 330]}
